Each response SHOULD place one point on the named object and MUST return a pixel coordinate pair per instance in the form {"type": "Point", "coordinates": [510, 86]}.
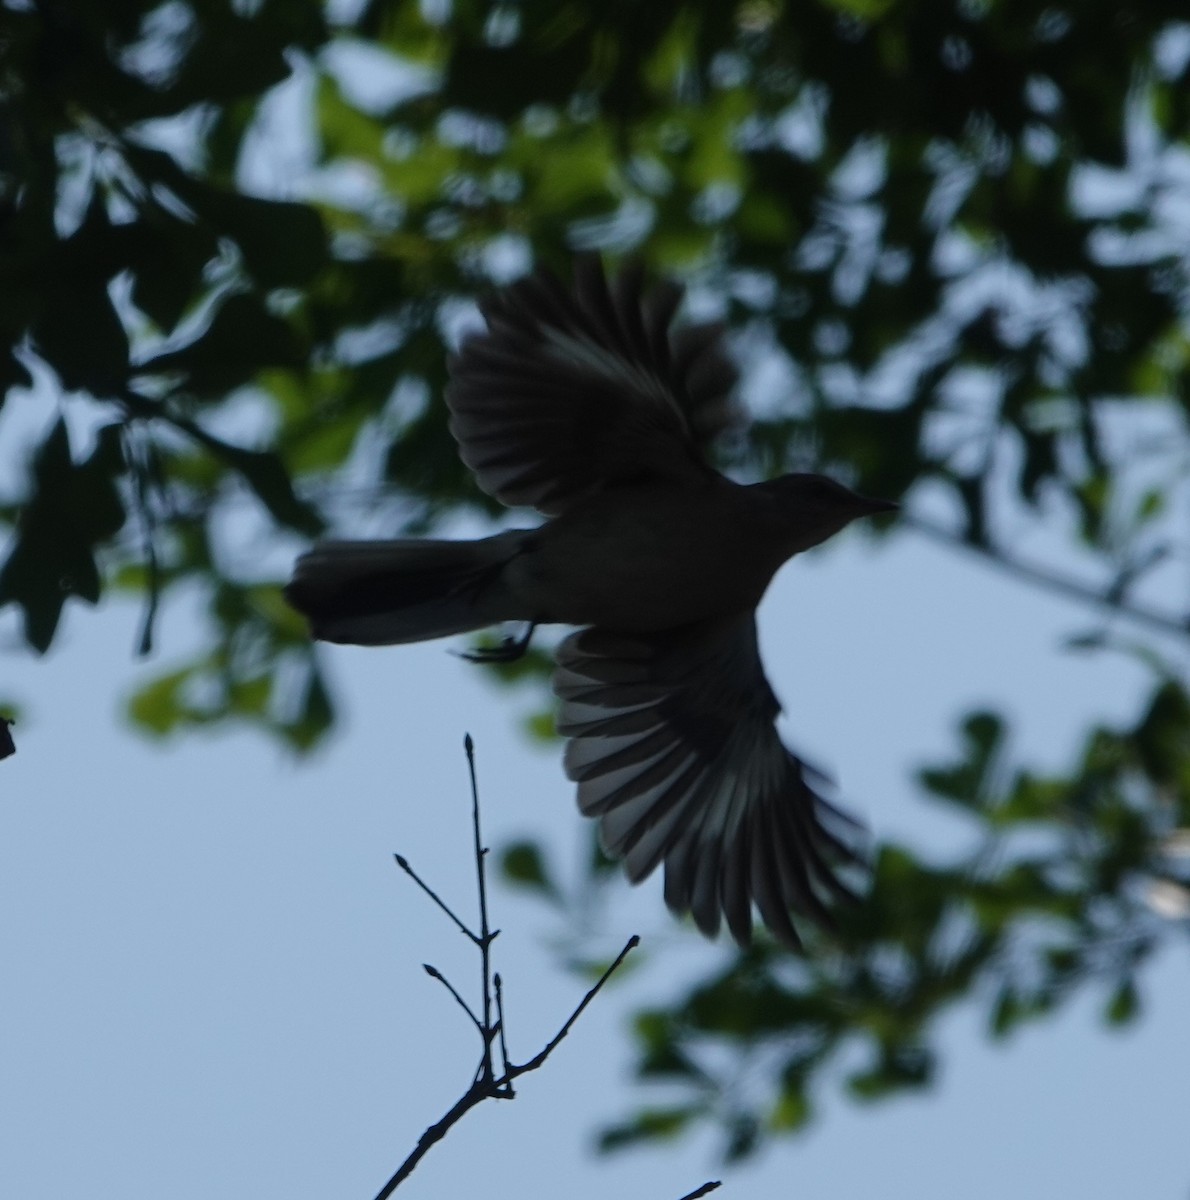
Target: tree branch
{"type": "Point", "coordinates": [487, 1085]}
{"type": "Point", "coordinates": [537, 1060]}
{"type": "Point", "coordinates": [403, 863]}
{"type": "Point", "coordinates": [1063, 585]}
{"type": "Point", "coordinates": [707, 1188]}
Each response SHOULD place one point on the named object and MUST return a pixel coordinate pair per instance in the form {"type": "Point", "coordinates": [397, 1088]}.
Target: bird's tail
{"type": "Point", "coordinates": [382, 593]}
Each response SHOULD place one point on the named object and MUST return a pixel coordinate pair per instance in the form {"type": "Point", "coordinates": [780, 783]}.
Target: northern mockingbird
{"type": "Point", "coordinates": [584, 404]}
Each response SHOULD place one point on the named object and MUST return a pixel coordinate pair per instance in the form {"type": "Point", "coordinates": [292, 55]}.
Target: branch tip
{"type": "Point", "coordinates": [707, 1188]}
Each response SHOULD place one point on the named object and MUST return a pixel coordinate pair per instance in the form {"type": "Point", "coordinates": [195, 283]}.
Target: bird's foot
{"type": "Point", "coordinates": [509, 650]}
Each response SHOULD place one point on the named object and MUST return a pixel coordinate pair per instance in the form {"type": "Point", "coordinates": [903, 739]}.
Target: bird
{"type": "Point", "coordinates": [592, 405]}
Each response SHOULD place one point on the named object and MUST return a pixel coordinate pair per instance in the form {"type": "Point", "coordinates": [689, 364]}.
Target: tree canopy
{"type": "Point", "coordinates": [238, 239]}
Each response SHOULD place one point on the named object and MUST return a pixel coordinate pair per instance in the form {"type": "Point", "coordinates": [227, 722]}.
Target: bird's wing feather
{"type": "Point", "coordinates": [568, 391]}
{"type": "Point", "coordinates": [674, 749]}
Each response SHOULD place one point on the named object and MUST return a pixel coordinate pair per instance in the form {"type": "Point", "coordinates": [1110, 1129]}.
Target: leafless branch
{"type": "Point", "coordinates": [486, 936]}
{"type": "Point", "coordinates": [707, 1188]}
{"type": "Point", "coordinates": [403, 863]}
{"type": "Point", "coordinates": [504, 1060]}
{"type": "Point", "coordinates": [537, 1060]}
{"type": "Point", "coordinates": [487, 1083]}
{"type": "Point", "coordinates": [434, 973]}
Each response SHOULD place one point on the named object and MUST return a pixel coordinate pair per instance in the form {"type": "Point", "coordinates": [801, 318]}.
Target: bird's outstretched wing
{"type": "Point", "coordinates": [673, 747]}
{"type": "Point", "coordinates": [568, 391]}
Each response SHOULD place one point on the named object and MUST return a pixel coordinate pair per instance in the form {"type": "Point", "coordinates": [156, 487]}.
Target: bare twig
{"type": "Point", "coordinates": [475, 1094]}
{"type": "Point", "coordinates": [403, 863]}
{"type": "Point", "coordinates": [496, 1089]}
{"type": "Point", "coordinates": [486, 936]}
{"type": "Point", "coordinates": [139, 458]}
{"type": "Point", "coordinates": [552, 1045]}
{"type": "Point", "coordinates": [487, 1084]}
{"type": "Point", "coordinates": [434, 973]}
{"type": "Point", "coordinates": [504, 1059]}
{"type": "Point", "coordinates": [707, 1188]}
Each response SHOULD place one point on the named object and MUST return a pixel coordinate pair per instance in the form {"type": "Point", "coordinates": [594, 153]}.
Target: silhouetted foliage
{"type": "Point", "coordinates": [237, 240]}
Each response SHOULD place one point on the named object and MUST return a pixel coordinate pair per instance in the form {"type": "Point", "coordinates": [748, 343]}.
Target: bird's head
{"type": "Point", "coordinates": [811, 508]}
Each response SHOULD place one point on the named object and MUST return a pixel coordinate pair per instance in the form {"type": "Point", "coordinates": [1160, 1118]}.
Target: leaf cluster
{"type": "Point", "coordinates": [928, 223]}
{"type": "Point", "coordinates": [1063, 884]}
{"type": "Point", "coordinates": [238, 240]}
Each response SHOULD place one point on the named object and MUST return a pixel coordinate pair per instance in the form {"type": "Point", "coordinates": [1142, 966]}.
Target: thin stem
{"type": "Point", "coordinates": [706, 1189]}
{"type": "Point", "coordinates": [482, 1089]}
{"type": "Point", "coordinates": [485, 933]}
{"type": "Point", "coordinates": [474, 1095]}
{"type": "Point", "coordinates": [538, 1059]}
{"type": "Point", "coordinates": [485, 1085]}
{"type": "Point", "coordinates": [434, 973]}
{"type": "Point", "coordinates": [1061, 584]}
{"type": "Point", "coordinates": [504, 1059]}
{"type": "Point", "coordinates": [138, 459]}
{"type": "Point", "coordinates": [403, 863]}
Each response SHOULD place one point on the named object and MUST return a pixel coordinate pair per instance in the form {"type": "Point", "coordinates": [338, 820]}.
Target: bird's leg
{"type": "Point", "coordinates": [509, 650]}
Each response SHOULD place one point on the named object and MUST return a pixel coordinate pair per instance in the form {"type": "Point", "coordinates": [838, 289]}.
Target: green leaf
{"type": "Point", "coordinates": [243, 55]}
{"type": "Point", "coordinates": [346, 132]}
{"type": "Point", "coordinates": [157, 706]}
{"type": "Point", "coordinates": [80, 336]}
{"type": "Point", "coordinates": [743, 1136]}
{"type": "Point", "coordinates": [793, 1110]}
{"type": "Point", "coordinates": [77, 330]}
{"type": "Point", "coordinates": [82, 339]}
{"type": "Point", "coordinates": [542, 726]}
{"type": "Point", "coordinates": [649, 1125]}
{"type": "Point", "coordinates": [13, 373]}
{"type": "Point", "coordinates": [1033, 799]}
{"type": "Point", "coordinates": [284, 244]}
{"type": "Point", "coordinates": [266, 475]}
{"type": "Point", "coordinates": [661, 1057]}
{"type": "Point", "coordinates": [73, 507]}
{"type": "Point", "coordinates": [967, 782]}
{"type": "Point", "coordinates": [1163, 735]}
{"type": "Point", "coordinates": [167, 260]}
{"type": "Point", "coordinates": [242, 338]}
{"type": "Point", "coordinates": [8, 747]}
{"type": "Point", "coordinates": [899, 1067]}
{"type": "Point", "coordinates": [1006, 1012]}
{"type": "Point", "coordinates": [523, 864]}
{"type": "Point", "coordinates": [1124, 1005]}
{"type": "Point", "coordinates": [315, 718]}
{"type": "Point", "coordinates": [250, 697]}
{"type": "Point", "coordinates": [535, 663]}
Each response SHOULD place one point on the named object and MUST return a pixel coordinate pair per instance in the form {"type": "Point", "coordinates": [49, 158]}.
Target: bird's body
{"type": "Point", "coordinates": [635, 559]}
{"type": "Point", "coordinates": [589, 408]}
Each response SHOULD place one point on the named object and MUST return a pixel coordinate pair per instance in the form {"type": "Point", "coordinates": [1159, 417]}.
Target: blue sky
{"type": "Point", "coordinates": [213, 978]}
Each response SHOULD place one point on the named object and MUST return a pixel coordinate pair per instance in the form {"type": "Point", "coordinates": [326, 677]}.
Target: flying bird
{"type": "Point", "coordinates": [589, 405]}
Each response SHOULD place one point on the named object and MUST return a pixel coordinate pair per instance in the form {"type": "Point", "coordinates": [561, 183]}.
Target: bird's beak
{"type": "Point", "coordinates": [870, 507]}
